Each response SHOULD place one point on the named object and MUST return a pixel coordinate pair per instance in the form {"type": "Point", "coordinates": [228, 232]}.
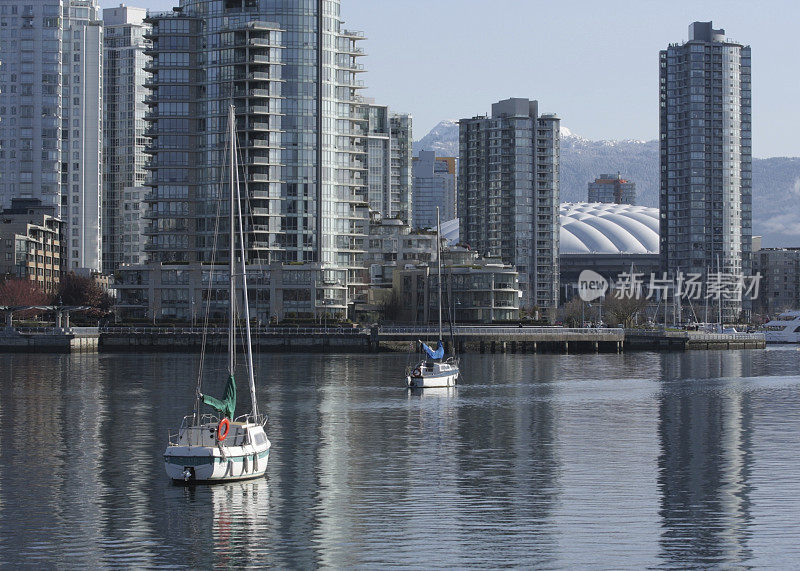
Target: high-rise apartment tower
{"type": "Point", "coordinates": [123, 132]}
{"type": "Point", "coordinates": [508, 194]}
{"type": "Point", "coordinates": [290, 69]}
{"type": "Point", "coordinates": [51, 116]}
{"type": "Point", "coordinates": [706, 157]}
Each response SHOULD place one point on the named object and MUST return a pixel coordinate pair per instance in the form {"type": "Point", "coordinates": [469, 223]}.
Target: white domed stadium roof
{"type": "Point", "coordinates": [601, 228]}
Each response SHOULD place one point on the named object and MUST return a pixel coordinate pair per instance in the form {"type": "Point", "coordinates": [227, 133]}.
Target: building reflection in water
{"type": "Point", "coordinates": [54, 415]}
{"type": "Point", "coordinates": [705, 428]}
{"type": "Point", "coordinates": [508, 472]}
{"type": "Point", "coordinates": [293, 399]}
{"type": "Point", "coordinates": [607, 441]}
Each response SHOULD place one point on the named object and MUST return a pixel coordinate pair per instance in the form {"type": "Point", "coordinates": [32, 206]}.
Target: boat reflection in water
{"type": "Point", "coordinates": [432, 392]}
{"type": "Point", "coordinates": [241, 511]}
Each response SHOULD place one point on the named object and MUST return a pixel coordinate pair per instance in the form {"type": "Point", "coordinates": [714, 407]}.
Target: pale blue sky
{"type": "Point", "coordinates": [594, 62]}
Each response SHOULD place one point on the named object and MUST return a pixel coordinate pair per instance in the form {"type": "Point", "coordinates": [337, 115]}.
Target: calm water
{"type": "Point", "coordinates": [550, 461]}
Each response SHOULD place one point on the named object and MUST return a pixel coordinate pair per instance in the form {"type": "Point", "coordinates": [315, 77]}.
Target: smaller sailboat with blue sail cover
{"type": "Point", "coordinates": [435, 370]}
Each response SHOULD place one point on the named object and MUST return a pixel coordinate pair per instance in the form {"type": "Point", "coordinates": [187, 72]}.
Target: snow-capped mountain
{"type": "Point", "coordinates": [776, 181]}
{"type": "Point", "coordinates": [443, 139]}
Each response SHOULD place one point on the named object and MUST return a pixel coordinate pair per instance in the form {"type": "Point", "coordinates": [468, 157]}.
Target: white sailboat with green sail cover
{"type": "Point", "coordinates": [219, 446]}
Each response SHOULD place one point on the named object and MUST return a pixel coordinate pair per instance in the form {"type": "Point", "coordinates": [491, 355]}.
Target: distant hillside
{"type": "Point", "coordinates": [776, 181]}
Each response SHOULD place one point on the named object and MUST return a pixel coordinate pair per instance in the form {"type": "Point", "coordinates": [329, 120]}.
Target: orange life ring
{"type": "Point", "coordinates": [416, 373]}
{"type": "Point", "coordinates": [222, 429]}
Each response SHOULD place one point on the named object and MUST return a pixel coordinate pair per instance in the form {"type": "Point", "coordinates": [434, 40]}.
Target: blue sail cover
{"type": "Point", "coordinates": [438, 354]}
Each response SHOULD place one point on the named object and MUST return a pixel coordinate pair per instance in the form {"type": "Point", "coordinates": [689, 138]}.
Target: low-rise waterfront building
{"type": "Point", "coordinates": [474, 289]}
{"type": "Point", "coordinates": [30, 243]}
{"type": "Point", "coordinates": [392, 244]}
{"type": "Point", "coordinates": [780, 280]}
{"type": "Point", "coordinates": [182, 292]}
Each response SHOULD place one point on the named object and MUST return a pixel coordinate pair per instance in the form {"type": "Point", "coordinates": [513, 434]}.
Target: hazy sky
{"type": "Point", "coordinates": [593, 62]}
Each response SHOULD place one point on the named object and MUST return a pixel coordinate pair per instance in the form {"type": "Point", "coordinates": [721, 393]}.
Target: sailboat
{"type": "Point", "coordinates": [435, 370]}
{"type": "Point", "coordinates": [221, 447]}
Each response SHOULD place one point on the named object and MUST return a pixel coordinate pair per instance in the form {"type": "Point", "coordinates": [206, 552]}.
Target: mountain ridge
{"type": "Point", "coordinates": [776, 180]}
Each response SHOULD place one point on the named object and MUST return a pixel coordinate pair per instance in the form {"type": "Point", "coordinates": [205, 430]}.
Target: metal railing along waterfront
{"type": "Point", "coordinates": [696, 335]}
{"type": "Point", "coordinates": [725, 336]}
{"type": "Point", "coordinates": [276, 331]}
{"type": "Point", "coordinates": [465, 330]}
{"type": "Point", "coordinates": [460, 330]}
{"type": "Point", "coordinates": [57, 330]}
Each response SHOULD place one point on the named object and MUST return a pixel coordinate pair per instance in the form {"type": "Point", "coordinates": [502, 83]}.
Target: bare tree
{"type": "Point", "coordinates": [623, 311]}
{"type": "Point", "coordinates": [79, 290]}
{"type": "Point", "coordinates": [573, 311]}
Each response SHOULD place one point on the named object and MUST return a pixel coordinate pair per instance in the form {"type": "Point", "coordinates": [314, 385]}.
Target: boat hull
{"type": "Point", "coordinates": [785, 328]}
{"type": "Point", "coordinates": [781, 337]}
{"type": "Point", "coordinates": [196, 464]}
{"type": "Point", "coordinates": [431, 381]}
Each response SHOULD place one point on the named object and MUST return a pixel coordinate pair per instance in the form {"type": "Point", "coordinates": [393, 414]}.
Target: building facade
{"type": "Point", "coordinates": [434, 185]}
{"type": "Point", "coordinates": [51, 116]}
{"type": "Point", "coordinates": [393, 244]}
{"type": "Point", "coordinates": [401, 127]}
{"type": "Point", "coordinates": [706, 158]}
{"type": "Point", "coordinates": [124, 62]}
{"type": "Point", "coordinates": [508, 194]}
{"type": "Point", "coordinates": [30, 243]}
{"type": "Point", "coordinates": [779, 289]}
{"type": "Point", "coordinates": [388, 161]}
{"type": "Point", "coordinates": [474, 290]}
{"type": "Point", "coordinates": [291, 70]}
{"type": "Point", "coordinates": [612, 189]}
{"type": "Point", "coordinates": [379, 157]}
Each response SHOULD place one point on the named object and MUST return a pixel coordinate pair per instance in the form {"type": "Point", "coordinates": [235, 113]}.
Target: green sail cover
{"type": "Point", "coordinates": [227, 405]}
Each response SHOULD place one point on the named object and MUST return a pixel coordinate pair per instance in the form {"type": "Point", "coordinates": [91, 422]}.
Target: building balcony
{"type": "Point", "coordinates": [263, 161]}
{"type": "Point", "coordinates": [258, 127]}
{"type": "Point", "coordinates": [354, 84]}
{"type": "Point", "coordinates": [242, 93]}
{"type": "Point", "coordinates": [254, 76]}
{"type": "Point", "coordinates": [264, 42]}
{"type": "Point", "coordinates": [357, 52]}
{"type": "Point", "coordinates": [354, 67]}
{"type": "Point", "coordinates": [354, 34]}
{"type": "Point", "coordinates": [262, 60]}
{"type": "Point", "coordinates": [260, 177]}
{"type": "Point", "coordinates": [260, 144]}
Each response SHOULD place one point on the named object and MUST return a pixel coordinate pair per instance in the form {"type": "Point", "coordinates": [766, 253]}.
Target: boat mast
{"type": "Point", "coordinates": [231, 249]}
{"type": "Point", "coordinates": [246, 300]}
{"type": "Point", "coordinates": [439, 264]}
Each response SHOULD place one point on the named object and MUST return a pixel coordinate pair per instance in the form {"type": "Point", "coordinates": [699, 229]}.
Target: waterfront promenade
{"type": "Point", "coordinates": [373, 339]}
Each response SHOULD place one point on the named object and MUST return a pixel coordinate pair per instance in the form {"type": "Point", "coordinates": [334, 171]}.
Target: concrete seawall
{"type": "Point", "coordinates": [467, 339]}
{"type": "Point", "coordinates": [51, 340]}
